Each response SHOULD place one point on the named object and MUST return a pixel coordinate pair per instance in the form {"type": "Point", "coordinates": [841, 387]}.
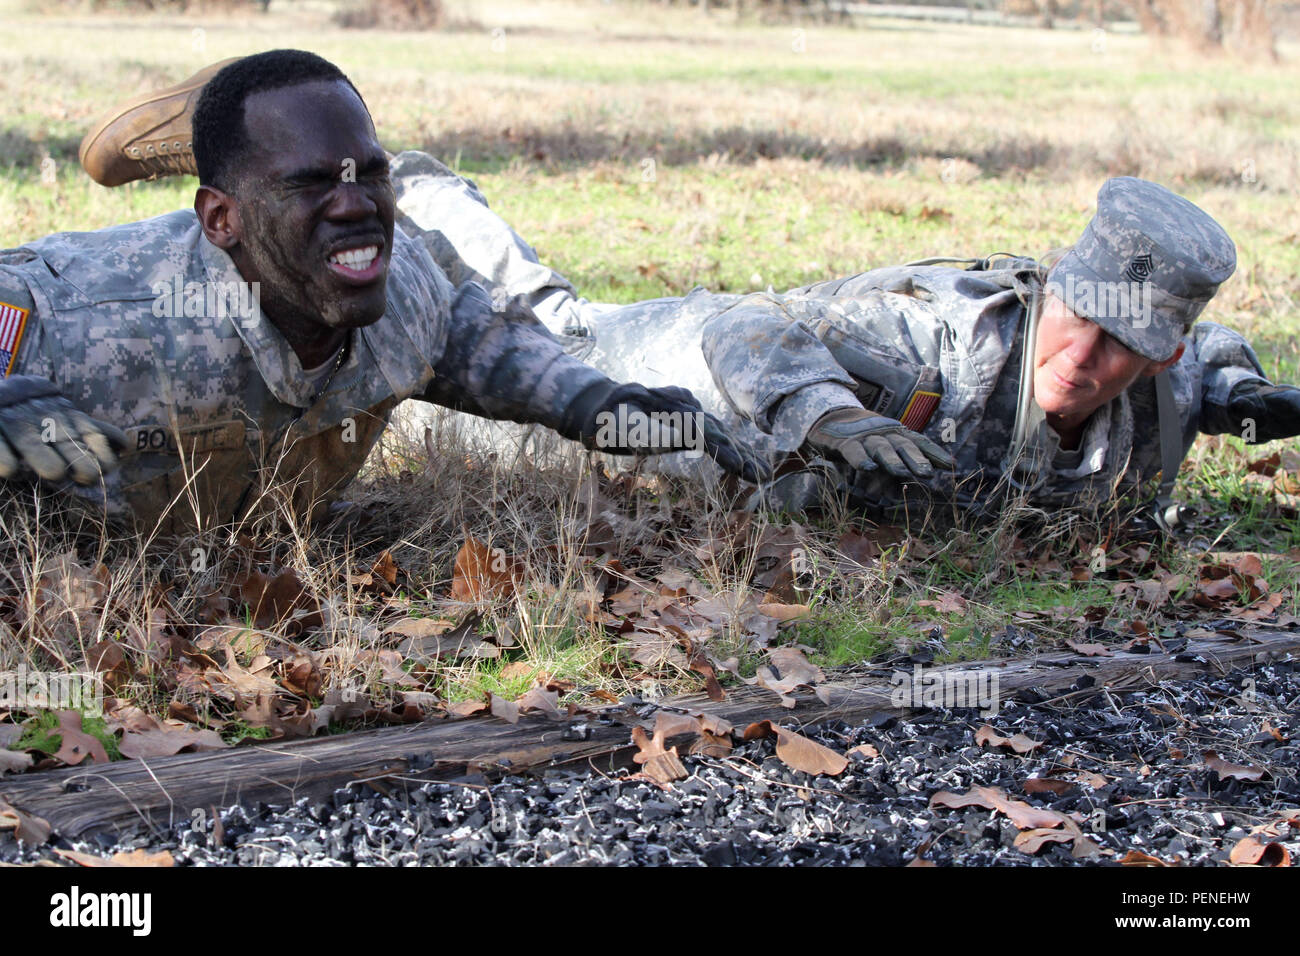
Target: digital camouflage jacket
{"type": "Point", "coordinates": [149, 326]}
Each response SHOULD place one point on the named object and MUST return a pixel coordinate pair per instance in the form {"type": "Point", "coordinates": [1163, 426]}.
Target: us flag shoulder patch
{"type": "Point", "coordinates": [13, 321]}
{"type": "Point", "coordinates": [919, 410]}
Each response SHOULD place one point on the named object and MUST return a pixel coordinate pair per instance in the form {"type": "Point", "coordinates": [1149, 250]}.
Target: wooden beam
{"type": "Point", "coordinates": [163, 792]}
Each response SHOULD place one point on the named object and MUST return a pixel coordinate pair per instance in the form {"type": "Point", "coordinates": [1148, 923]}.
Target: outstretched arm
{"type": "Point", "coordinates": [776, 372]}
{"type": "Point", "coordinates": [503, 364]}
{"type": "Point", "coordinates": [41, 432]}
{"type": "Point", "coordinates": [1236, 397]}
{"type": "Point", "coordinates": [773, 370]}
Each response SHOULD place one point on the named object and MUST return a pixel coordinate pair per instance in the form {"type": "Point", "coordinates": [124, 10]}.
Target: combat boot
{"type": "Point", "coordinates": [149, 136]}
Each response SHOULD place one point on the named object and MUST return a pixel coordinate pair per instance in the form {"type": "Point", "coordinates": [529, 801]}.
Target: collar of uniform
{"type": "Point", "coordinates": [274, 358]}
{"type": "Point", "coordinates": [399, 359]}
{"type": "Point", "coordinates": [1093, 445]}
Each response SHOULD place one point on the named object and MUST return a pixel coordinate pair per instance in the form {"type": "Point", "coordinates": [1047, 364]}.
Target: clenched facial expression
{"type": "Point", "coordinates": [316, 207]}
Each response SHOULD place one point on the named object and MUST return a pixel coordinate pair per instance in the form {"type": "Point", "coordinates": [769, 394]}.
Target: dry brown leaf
{"type": "Point", "coordinates": [1089, 650]}
{"type": "Point", "coordinates": [1031, 841]}
{"type": "Point", "coordinates": [385, 568]}
{"type": "Point", "coordinates": [866, 751]}
{"type": "Point", "coordinates": [542, 701]}
{"type": "Point", "coordinates": [669, 724]}
{"type": "Point", "coordinates": [522, 669]}
{"type": "Point", "coordinates": [133, 858]}
{"type": "Point", "coordinates": [29, 828]}
{"type": "Point", "coordinates": [1225, 769]}
{"type": "Point", "coordinates": [1286, 818]}
{"type": "Point", "coordinates": [1046, 785]}
{"type": "Point", "coordinates": [657, 762]}
{"type": "Point", "coordinates": [467, 708]}
{"type": "Point", "coordinates": [789, 670]}
{"type": "Point", "coordinates": [711, 745]}
{"type": "Point", "coordinates": [1020, 743]}
{"type": "Point", "coordinates": [164, 741]}
{"type": "Point", "coordinates": [797, 751]}
{"type": "Point", "coordinates": [699, 662]}
{"type": "Point", "coordinates": [420, 627]}
{"type": "Point", "coordinates": [784, 612]}
{"type": "Point", "coordinates": [234, 681]}
{"type": "Point", "coordinates": [1021, 814]}
{"type": "Point", "coordinates": [656, 650]}
{"type": "Point", "coordinates": [481, 573]}
{"type": "Point", "coordinates": [14, 761]}
{"type": "Point", "coordinates": [1138, 858]}
{"type": "Point", "coordinates": [949, 602]}
{"type": "Point", "coordinates": [507, 710]}
{"type": "Point", "coordinates": [1272, 731]}
{"type": "Point", "coordinates": [1249, 851]}
{"type": "Point", "coordinates": [76, 745]}
{"type": "Point", "coordinates": [280, 601]}
{"type": "Point", "coordinates": [431, 640]}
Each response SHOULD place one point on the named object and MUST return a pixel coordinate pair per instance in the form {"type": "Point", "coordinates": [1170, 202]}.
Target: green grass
{"type": "Point", "coordinates": [42, 733]}
{"type": "Point", "coordinates": [237, 731]}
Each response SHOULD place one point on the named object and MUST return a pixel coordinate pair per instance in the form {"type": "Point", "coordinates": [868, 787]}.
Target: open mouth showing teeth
{"type": "Point", "coordinates": [356, 260]}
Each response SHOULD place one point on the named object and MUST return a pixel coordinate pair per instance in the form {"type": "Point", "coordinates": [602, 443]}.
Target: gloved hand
{"type": "Point", "coordinates": [1275, 409]}
{"type": "Point", "coordinates": [867, 440]}
{"type": "Point", "coordinates": [620, 420]}
{"type": "Point", "coordinates": [42, 431]}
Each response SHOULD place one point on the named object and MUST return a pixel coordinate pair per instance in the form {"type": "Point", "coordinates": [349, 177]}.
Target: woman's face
{"type": "Point", "coordinates": [1079, 366]}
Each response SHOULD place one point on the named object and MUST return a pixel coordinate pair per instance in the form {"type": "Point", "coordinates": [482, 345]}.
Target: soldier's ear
{"type": "Point", "coordinates": [1155, 368]}
{"type": "Point", "coordinates": [218, 214]}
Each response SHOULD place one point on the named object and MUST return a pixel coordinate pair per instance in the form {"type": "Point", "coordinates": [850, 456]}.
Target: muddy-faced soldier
{"type": "Point", "coordinates": [1060, 382]}
{"type": "Point", "coordinates": [142, 342]}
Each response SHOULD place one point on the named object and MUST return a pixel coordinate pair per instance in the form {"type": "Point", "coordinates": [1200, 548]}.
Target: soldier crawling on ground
{"type": "Point", "coordinates": [210, 408]}
{"type": "Point", "coordinates": [1063, 382]}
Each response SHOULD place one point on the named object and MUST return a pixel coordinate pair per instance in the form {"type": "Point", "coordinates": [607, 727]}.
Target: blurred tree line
{"type": "Point", "coordinates": [1248, 27]}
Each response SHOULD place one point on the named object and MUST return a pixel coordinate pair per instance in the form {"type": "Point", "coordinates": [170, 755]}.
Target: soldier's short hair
{"type": "Point", "coordinates": [219, 134]}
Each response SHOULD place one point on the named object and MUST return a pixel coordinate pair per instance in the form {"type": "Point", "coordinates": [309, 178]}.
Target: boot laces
{"type": "Point", "coordinates": [164, 158]}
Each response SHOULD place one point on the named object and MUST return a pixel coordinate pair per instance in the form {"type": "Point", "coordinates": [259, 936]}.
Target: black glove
{"type": "Point", "coordinates": [867, 440]}
{"type": "Point", "coordinates": [42, 431]}
{"type": "Point", "coordinates": [621, 420]}
{"type": "Point", "coordinates": [1275, 409]}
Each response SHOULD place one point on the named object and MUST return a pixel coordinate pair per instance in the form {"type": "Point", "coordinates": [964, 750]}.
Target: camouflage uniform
{"type": "Point", "coordinates": [934, 346]}
{"type": "Point", "coordinates": [959, 334]}
{"type": "Point", "coordinates": [215, 403]}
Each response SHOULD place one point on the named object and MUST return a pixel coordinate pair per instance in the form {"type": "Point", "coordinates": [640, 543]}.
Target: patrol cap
{"type": "Point", "coordinates": [1145, 267]}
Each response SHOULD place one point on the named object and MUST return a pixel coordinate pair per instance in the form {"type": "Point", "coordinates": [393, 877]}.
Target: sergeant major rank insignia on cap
{"type": "Point", "coordinates": [1139, 269]}
{"type": "Point", "coordinates": [13, 322]}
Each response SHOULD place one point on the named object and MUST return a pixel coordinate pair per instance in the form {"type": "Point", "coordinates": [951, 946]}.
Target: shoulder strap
{"type": "Point", "coordinates": [972, 264]}
{"type": "Point", "coordinates": [1167, 514]}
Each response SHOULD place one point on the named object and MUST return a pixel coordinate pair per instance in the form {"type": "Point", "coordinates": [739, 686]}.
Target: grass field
{"type": "Point", "coordinates": [645, 151]}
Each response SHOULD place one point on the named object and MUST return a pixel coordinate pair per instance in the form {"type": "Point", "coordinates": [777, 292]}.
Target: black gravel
{"type": "Point", "coordinates": [750, 808]}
